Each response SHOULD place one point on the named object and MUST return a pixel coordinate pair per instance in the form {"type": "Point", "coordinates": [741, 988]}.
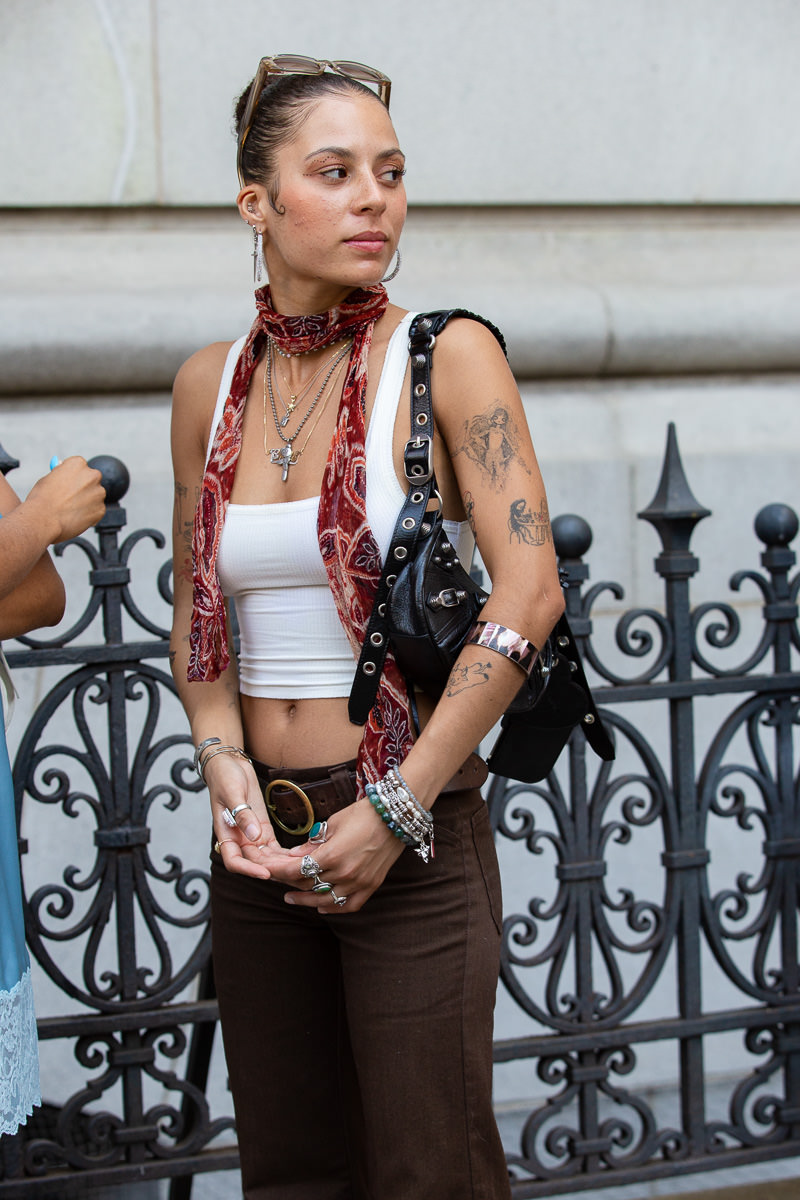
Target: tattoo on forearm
{"type": "Point", "coordinates": [173, 654]}
{"type": "Point", "coordinates": [533, 528]}
{"type": "Point", "coordinates": [469, 509]}
{"type": "Point", "coordinates": [491, 440]}
{"type": "Point", "coordinates": [463, 677]}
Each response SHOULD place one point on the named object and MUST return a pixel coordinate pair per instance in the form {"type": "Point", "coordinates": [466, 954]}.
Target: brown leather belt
{"type": "Point", "coordinates": [316, 793]}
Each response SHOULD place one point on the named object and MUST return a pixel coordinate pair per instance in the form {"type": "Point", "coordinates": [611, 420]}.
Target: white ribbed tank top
{"type": "Point", "coordinates": [292, 643]}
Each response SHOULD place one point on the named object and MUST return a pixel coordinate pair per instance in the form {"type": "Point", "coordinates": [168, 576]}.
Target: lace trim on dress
{"type": "Point", "coordinates": [19, 1056]}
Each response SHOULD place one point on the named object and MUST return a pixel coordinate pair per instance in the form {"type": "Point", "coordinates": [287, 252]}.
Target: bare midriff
{"type": "Point", "coordinates": [303, 733]}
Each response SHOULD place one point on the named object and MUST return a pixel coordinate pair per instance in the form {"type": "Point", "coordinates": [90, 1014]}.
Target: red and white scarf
{"type": "Point", "coordinates": [348, 547]}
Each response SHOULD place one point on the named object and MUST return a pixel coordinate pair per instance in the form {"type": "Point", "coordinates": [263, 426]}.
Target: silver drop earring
{"type": "Point", "coordinates": [258, 255]}
{"type": "Point", "coordinates": [392, 274]}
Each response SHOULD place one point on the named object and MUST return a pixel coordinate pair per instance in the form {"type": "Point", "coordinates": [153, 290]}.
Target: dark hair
{"type": "Point", "coordinates": [284, 104]}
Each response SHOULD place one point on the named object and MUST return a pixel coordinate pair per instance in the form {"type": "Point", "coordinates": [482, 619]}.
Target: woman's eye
{"type": "Point", "coordinates": [394, 174]}
{"type": "Point", "coordinates": [335, 172]}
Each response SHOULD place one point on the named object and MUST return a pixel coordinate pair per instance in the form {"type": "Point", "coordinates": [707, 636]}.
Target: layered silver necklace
{"type": "Point", "coordinates": [286, 456]}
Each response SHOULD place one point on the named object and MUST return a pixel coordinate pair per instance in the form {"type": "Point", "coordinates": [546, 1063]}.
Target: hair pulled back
{"type": "Point", "coordinates": [284, 104]}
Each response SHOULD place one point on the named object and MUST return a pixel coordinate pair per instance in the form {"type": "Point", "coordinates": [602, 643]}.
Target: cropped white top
{"type": "Point", "coordinates": [292, 643]}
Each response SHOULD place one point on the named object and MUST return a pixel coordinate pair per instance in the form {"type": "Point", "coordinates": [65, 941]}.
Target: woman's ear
{"type": "Point", "coordinates": [251, 202]}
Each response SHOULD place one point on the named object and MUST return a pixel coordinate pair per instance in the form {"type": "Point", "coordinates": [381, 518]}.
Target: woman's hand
{"type": "Point", "coordinates": [354, 858]}
{"type": "Point", "coordinates": [250, 848]}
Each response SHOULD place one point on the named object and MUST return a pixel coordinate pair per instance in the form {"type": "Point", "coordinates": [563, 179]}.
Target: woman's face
{"type": "Point", "coordinates": [340, 198]}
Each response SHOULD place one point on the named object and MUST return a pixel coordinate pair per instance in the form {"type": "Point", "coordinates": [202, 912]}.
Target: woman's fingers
{"type": "Point", "coordinates": [234, 858]}
{"type": "Point", "coordinates": [245, 835]}
{"type": "Point", "coordinates": [353, 862]}
{"type": "Point", "coordinates": [242, 816]}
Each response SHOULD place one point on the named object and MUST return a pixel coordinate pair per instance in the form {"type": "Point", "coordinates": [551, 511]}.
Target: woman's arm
{"type": "Point", "coordinates": [485, 465]}
{"type": "Point", "coordinates": [59, 506]}
{"type": "Point", "coordinates": [212, 708]}
{"type": "Point", "coordinates": [491, 461]}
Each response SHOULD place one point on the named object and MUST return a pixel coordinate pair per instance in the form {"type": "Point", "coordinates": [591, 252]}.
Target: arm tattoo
{"type": "Point", "coordinates": [492, 441]}
{"type": "Point", "coordinates": [469, 509]}
{"type": "Point", "coordinates": [184, 522]}
{"type": "Point", "coordinates": [463, 677]}
{"type": "Point", "coordinates": [533, 528]}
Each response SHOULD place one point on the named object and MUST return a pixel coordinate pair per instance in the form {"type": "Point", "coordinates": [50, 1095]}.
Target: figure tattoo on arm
{"type": "Point", "coordinates": [532, 528]}
{"type": "Point", "coordinates": [467, 676]}
{"type": "Point", "coordinates": [184, 521]}
{"type": "Point", "coordinates": [491, 440]}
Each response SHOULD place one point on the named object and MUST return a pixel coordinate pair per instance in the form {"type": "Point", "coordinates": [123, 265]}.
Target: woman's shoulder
{"type": "Point", "coordinates": [199, 376]}
{"type": "Point", "coordinates": [467, 349]}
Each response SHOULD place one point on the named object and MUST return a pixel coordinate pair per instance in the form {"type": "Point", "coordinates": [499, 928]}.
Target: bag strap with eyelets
{"type": "Point", "coordinates": [419, 472]}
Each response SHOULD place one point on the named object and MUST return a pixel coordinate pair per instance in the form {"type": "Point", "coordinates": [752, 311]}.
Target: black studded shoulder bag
{"type": "Point", "coordinates": [427, 603]}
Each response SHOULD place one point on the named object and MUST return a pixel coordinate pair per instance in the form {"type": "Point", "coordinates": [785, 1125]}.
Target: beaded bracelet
{"type": "Point", "coordinates": [421, 842]}
{"type": "Point", "coordinates": [505, 641]}
{"type": "Point", "coordinates": [394, 776]}
{"type": "Point", "coordinates": [413, 818]}
{"type": "Point", "coordinates": [411, 825]}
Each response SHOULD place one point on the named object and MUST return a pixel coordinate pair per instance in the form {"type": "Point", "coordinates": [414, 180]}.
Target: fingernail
{"type": "Point", "coordinates": [252, 831]}
{"type": "Point", "coordinates": [288, 899]}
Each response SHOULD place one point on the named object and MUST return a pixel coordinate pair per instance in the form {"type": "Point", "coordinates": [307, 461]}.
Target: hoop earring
{"type": "Point", "coordinates": [392, 274]}
{"type": "Point", "coordinates": [258, 255]}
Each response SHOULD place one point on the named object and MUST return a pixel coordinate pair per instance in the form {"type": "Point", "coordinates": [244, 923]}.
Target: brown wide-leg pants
{"type": "Point", "coordinates": [359, 1045]}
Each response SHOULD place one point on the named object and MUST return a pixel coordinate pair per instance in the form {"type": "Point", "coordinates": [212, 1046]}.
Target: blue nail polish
{"type": "Point", "coordinates": [54, 462]}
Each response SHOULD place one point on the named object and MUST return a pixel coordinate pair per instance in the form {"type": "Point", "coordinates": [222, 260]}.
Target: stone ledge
{"type": "Point", "coordinates": [105, 301]}
{"type": "Point", "coordinates": [111, 341]}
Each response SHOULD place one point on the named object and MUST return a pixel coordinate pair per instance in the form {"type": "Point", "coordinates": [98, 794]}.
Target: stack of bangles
{"type": "Point", "coordinates": [402, 813]}
{"type": "Point", "coordinates": [211, 746]}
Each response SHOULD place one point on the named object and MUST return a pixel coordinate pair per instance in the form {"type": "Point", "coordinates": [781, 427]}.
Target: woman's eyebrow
{"type": "Point", "coordinates": [343, 152]}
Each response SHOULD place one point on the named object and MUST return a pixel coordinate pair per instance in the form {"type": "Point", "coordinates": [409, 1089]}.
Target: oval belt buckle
{"type": "Point", "coordinates": [297, 830]}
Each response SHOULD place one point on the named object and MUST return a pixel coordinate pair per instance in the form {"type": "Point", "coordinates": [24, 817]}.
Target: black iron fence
{"type": "Point", "coordinates": [651, 927]}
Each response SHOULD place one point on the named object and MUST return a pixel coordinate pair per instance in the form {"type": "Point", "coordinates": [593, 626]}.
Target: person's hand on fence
{"type": "Point", "coordinates": [68, 500]}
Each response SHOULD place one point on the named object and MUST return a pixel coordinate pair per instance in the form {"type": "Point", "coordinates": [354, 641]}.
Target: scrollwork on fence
{"type": "Point", "coordinates": [635, 887]}
{"type": "Point", "coordinates": [104, 772]}
{"type": "Point", "coordinates": [652, 903]}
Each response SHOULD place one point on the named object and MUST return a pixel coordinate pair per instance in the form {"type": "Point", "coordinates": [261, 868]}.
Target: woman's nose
{"type": "Point", "coordinates": [369, 193]}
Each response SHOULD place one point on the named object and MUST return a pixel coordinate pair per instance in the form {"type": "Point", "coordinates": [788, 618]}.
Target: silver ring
{"type": "Point", "coordinates": [321, 888]}
{"type": "Point", "coordinates": [239, 808]}
{"type": "Point", "coordinates": [338, 899]}
{"type": "Point", "coordinates": [321, 835]}
{"type": "Point", "coordinates": [309, 867]}
{"type": "Point", "coordinates": [229, 818]}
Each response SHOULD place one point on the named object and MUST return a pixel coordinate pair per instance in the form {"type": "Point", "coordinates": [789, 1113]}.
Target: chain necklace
{"type": "Point", "coordinates": [296, 397]}
{"type": "Point", "coordinates": [286, 456]}
{"type": "Point", "coordinates": [296, 353]}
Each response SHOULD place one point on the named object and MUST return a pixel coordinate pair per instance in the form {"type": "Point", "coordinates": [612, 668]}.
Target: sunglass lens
{"type": "Point", "coordinates": [359, 71]}
{"type": "Point", "coordinates": [297, 64]}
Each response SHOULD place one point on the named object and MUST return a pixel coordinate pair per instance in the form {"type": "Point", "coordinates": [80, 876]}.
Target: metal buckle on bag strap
{"type": "Point", "coordinates": [447, 598]}
{"type": "Point", "coordinates": [418, 459]}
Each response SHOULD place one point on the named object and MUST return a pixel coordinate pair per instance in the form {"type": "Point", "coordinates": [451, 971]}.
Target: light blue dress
{"type": "Point", "coordinates": [19, 1054]}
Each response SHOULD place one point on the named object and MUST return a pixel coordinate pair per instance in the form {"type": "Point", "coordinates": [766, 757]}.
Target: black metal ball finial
{"type": "Point", "coordinates": [116, 477]}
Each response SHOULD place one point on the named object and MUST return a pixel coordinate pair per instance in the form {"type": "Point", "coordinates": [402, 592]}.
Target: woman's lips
{"type": "Point", "coordinates": [371, 241]}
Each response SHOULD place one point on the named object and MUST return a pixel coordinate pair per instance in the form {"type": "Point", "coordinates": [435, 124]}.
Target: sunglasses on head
{"type": "Point", "coordinates": [299, 64]}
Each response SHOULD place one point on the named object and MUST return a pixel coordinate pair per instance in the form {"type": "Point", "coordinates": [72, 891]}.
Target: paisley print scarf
{"type": "Point", "coordinates": [348, 547]}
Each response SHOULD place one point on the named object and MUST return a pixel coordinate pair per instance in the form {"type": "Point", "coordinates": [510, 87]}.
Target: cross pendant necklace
{"type": "Point", "coordinates": [283, 457]}
{"type": "Point", "coordinates": [286, 456]}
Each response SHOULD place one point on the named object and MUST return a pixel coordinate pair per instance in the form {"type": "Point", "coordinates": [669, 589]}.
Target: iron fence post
{"type": "Point", "coordinates": [674, 512]}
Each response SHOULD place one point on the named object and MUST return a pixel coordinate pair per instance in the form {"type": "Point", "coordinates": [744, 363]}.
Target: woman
{"type": "Point", "coordinates": [59, 506]}
{"type": "Point", "coordinates": [356, 980]}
